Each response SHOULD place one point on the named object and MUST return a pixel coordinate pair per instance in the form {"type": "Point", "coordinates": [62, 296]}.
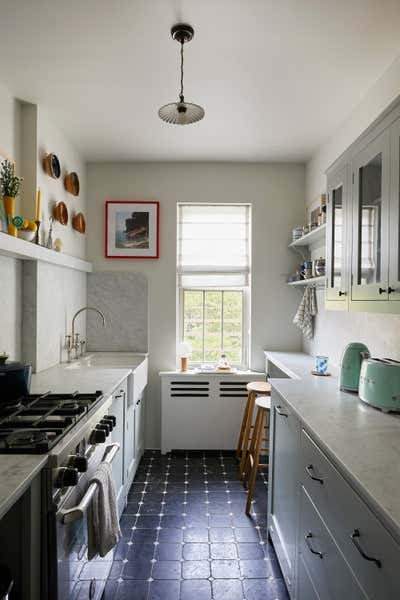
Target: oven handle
{"type": "Point", "coordinates": [76, 512]}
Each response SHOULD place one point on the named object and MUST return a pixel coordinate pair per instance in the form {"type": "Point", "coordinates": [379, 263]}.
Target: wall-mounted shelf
{"type": "Point", "coordinates": [16, 248]}
{"type": "Point", "coordinates": [314, 238]}
{"type": "Point", "coordinates": [318, 281]}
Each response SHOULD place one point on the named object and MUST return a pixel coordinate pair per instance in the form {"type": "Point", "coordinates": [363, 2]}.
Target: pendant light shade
{"type": "Point", "coordinates": [181, 112]}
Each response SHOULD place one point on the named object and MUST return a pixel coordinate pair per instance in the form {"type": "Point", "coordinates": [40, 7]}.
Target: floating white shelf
{"type": "Point", "coordinates": [16, 248]}
{"type": "Point", "coordinates": [319, 281]}
{"type": "Point", "coordinates": [311, 239]}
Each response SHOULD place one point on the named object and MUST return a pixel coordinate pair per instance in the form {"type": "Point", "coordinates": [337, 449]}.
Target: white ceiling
{"type": "Point", "coordinates": [275, 77]}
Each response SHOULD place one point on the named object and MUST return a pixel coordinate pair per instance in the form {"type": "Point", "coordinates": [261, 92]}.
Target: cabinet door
{"type": "Point", "coordinates": [394, 258]}
{"type": "Point", "coordinates": [283, 498]}
{"type": "Point", "coordinates": [139, 427]}
{"type": "Point", "coordinates": [337, 242]}
{"type": "Point", "coordinates": [371, 183]}
{"type": "Point", "coordinates": [130, 443]}
{"type": "Point", "coordinates": [118, 410]}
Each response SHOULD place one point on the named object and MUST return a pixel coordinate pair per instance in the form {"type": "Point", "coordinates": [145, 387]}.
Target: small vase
{"type": "Point", "coordinates": [9, 207]}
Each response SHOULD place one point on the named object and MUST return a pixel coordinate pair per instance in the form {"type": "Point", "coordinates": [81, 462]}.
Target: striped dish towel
{"type": "Point", "coordinates": [306, 312]}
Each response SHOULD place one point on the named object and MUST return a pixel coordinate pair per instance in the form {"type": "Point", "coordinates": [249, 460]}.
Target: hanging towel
{"type": "Point", "coordinates": [102, 519]}
{"type": "Point", "coordinates": [306, 311]}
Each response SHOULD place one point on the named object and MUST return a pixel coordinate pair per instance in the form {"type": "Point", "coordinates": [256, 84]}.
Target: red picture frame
{"type": "Point", "coordinates": [116, 244]}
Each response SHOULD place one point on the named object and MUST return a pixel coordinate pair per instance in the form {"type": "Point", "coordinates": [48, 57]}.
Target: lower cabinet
{"type": "Point", "coordinates": [283, 486]}
{"type": "Point", "coordinates": [329, 543]}
{"type": "Point", "coordinates": [129, 433]}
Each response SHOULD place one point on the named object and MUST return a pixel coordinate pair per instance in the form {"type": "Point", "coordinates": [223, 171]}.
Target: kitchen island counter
{"type": "Point", "coordinates": [363, 441]}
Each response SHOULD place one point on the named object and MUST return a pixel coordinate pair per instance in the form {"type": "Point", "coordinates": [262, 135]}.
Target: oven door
{"type": "Point", "coordinates": [72, 574]}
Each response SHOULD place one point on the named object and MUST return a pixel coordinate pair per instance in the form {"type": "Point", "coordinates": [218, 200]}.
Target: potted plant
{"type": "Point", "coordinates": [10, 186]}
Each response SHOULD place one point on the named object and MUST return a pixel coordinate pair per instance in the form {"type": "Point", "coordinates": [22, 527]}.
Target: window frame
{"type": "Point", "coordinates": [245, 290]}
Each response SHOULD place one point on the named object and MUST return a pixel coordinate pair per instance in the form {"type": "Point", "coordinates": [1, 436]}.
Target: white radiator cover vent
{"type": "Point", "coordinates": [202, 411]}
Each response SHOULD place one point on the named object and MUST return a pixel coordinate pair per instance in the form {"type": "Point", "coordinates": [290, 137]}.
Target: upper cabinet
{"type": "Point", "coordinates": [337, 237]}
{"type": "Point", "coordinates": [363, 222]}
{"type": "Point", "coordinates": [371, 188]}
{"type": "Point", "coordinates": [394, 218]}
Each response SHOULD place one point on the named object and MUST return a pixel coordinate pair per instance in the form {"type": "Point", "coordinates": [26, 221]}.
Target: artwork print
{"type": "Point", "coordinates": [132, 229]}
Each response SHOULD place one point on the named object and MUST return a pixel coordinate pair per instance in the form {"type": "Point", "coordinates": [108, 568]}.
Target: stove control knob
{"type": "Point", "coordinates": [98, 436]}
{"type": "Point", "coordinates": [102, 426]}
{"type": "Point", "coordinates": [112, 418]}
{"type": "Point", "coordinates": [79, 462]}
{"type": "Point", "coordinates": [108, 422]}
{"type": "Point", "coordinates": [66, 477]}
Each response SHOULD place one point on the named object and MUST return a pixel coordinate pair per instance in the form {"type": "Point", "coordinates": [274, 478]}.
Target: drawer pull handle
{"type": "Point", "coordinates": [307, 537]}
{"type": "Point", "coordinates": [354, 538]}
{"type": "Point", "coordinates": [309, 471]}
{"type": "Point", "coordinates": [280, 412]}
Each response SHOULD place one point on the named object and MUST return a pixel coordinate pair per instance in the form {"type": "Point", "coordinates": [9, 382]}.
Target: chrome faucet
{"type": "Point", "coordinates": [72, 342]}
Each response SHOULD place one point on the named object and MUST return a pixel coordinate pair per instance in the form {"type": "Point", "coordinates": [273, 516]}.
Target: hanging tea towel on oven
{"type": "Point", "coordinates": [103, 524]}
{"type": "Point", "coordinates": [304, 318]}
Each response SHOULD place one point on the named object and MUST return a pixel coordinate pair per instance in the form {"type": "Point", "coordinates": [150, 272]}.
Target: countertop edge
{"type": "Point", "coordinates": [18, 491]}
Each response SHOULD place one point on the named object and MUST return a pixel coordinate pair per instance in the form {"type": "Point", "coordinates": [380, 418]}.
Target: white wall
{"type": "Point", "coordinates": [335, 329]}
{"type": "Point", "coordinates": [277, 195]}
{"type": "Point", "coordinates": [59, 291]}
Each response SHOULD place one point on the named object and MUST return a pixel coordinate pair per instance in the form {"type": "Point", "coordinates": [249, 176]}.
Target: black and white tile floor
{"type": "Point", "coordinates": [186, 535]}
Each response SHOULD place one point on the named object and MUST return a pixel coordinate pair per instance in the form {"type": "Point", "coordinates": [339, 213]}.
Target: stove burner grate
{"type": "Point", "coordinates": [26, 438]}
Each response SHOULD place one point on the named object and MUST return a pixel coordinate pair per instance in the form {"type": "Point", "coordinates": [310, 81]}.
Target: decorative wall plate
{"type": "Point", "coordinates": [79, 223]}
{"type": "Point", "coordinates": [51, 165]}
{"type": "Point", "coordinates": [60, 213]}
{"type": "Point", "coordinates": [71, 183]}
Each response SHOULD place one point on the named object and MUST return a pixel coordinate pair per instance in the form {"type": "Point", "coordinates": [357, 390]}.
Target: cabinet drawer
{"type": "Point", "coordinates": [305, 588]}
{"type": "Point", "coordinates": [330, 574]}
{"type": "Point", "coordinates": [353, 525]}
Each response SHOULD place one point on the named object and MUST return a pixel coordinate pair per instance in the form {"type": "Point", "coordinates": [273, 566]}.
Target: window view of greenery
{"type": "Point", "coordinates": [213, 323]}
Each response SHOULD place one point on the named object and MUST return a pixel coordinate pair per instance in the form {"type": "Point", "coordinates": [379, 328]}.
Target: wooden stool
{"type": "Point", "coordinates": [254, 388]}
{"type": "Point", "coordinates": [263, 404]}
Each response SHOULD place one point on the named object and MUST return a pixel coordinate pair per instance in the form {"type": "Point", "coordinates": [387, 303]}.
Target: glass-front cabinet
{"type": "Point", "coordinates": [394, 218]}
{"type": "Point", "coordinates": [337, 284]}
{"type": "Point", "coordinates": [371, 196]}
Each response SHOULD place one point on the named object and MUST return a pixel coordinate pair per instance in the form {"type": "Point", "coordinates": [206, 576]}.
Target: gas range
{"type": "Point", "coordinates": [36, 423]}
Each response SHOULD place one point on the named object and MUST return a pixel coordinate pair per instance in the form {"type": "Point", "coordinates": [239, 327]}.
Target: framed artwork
{"type": "Point", "coordinates": [132, 229]}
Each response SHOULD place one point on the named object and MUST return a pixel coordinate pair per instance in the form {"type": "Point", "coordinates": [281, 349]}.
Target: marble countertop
{"type": "Point", "coordinates": [16, 473]}
{"type": "Point", "coordinates": [362, 441]}
{"type": "Point", "coordinates": [98, 371]}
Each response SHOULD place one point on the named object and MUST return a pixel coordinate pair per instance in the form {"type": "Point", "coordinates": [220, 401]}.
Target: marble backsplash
{"type": "Point", "coordinates": [123, 298]}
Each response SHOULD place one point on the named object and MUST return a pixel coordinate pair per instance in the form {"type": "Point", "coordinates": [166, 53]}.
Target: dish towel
{"type": "Point", "coordinates": [102, 519]}
{"type": "Point", "coordinates": [306, 312]}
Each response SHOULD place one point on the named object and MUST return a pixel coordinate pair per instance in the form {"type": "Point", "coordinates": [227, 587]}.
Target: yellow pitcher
{"type": "Point", "coordinates": [9, 207]}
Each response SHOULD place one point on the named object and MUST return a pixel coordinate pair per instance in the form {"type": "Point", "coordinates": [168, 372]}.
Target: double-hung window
{"type": "Point", "coordinates": [213, 273]}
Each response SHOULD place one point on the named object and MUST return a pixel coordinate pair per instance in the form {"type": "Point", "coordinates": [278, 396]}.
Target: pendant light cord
{"type": "Point", "coordinates": [181, 97]}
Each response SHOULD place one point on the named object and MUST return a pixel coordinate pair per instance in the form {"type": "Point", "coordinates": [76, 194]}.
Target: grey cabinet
{"type": "Point", "coordinates": [118, 410]}
{"type": "Point", "coordinates": [283, 486]}
{"type": "Point", "coordinates": [363, 252]}
{"type": "Point", "coordinates": [394, 223]}
{"type": "Point", "coordinates": [371, 189]}
{"type": "Point", "coordinates": [338, 237]}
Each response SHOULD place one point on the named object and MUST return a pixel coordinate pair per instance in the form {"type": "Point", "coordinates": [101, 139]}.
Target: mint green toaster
{"type": "Point", "coordinates": [380, 383]}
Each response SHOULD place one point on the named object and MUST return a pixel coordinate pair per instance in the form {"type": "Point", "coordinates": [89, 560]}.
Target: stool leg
{"type": "Point", "coordinates": [243, 427]}
{"type": "Point", "coordinates": [256, 459]}
{"type": "Point", "coordinates": [250, 454]}
{"type": "Point", "coordinates": [246, 436]}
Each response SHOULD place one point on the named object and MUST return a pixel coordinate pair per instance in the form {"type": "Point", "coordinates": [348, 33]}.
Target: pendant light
{"type": "Point", "coordinates": [181, 112]}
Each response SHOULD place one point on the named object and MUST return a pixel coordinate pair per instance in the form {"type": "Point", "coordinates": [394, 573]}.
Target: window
{"type": "Point", "coordinates": [213, 269]}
